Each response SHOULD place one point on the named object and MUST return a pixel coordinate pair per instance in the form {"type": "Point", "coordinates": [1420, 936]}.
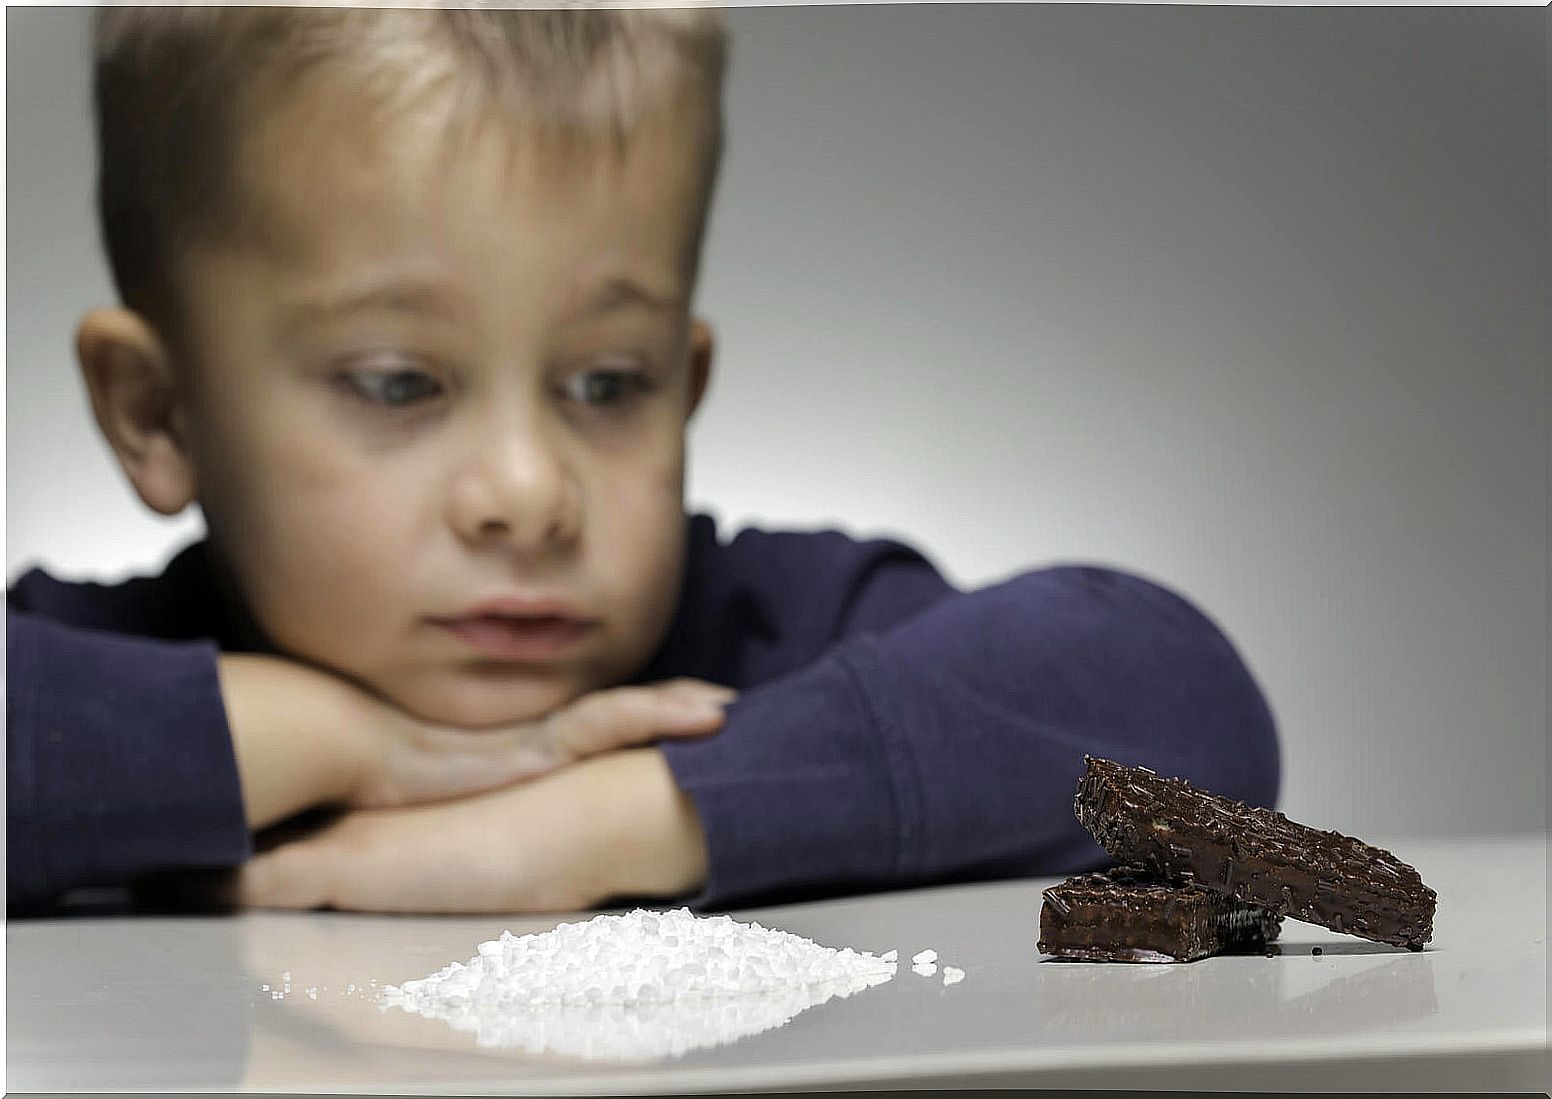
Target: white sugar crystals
{"type": "Point", "coordinates": [641, 984]}
{"type": "Point", "coordinates": [640, 957]}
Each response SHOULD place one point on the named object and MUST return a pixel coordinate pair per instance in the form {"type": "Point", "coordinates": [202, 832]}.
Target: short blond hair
{"type": "Point", "coordinates": [175, 87]}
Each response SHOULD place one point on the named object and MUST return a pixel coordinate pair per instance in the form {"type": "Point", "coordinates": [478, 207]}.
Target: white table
{"type": "Point", "coordinates": [161, 1003]}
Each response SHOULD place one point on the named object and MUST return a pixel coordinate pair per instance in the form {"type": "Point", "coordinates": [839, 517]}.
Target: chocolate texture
{"type": "Point", "coordinates": [1180, 834]}
{"type": "Point", "coordinates": [1126, 915]}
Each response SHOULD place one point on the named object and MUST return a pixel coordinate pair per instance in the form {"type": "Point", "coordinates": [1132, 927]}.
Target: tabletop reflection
{"type": "Point", "coordinates": [640, 1031]}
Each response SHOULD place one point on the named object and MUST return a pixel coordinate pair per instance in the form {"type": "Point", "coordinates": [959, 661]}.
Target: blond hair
{"type": "Point", "coordinates": [176, 88]}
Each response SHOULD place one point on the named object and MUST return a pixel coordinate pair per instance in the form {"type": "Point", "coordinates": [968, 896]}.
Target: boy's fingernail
{"type": "Point", "coordinates": [701, 709]}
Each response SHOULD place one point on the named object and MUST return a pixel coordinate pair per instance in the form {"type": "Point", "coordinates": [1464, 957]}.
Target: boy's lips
{"type": "Point", "coordinates": [519, 629]}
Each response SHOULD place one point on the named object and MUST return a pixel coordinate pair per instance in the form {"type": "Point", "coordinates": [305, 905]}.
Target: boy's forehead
{"type": "Point", "coordinates": [344, 137]}
{"type": "Point", "coordinates": [334, 197]}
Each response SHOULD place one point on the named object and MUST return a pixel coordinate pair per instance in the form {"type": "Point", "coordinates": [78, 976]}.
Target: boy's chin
{"type": "Point", "coordinates": [484, 705]}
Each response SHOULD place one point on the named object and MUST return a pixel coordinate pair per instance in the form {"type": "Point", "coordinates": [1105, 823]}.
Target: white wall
{"type": "Point", "coordinates": [1248, 300]}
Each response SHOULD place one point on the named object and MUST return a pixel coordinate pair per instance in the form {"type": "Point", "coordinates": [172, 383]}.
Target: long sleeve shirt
{"type": "Point", "coordinates": [890, 730]}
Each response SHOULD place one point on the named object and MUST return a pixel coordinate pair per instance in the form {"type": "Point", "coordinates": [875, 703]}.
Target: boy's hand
{"type": "Point", "coordinates": [614, 825]}
{"type": "Point", "coordinates": [409, 761]}
{"type": "Point", "coordinates": [304, 738]}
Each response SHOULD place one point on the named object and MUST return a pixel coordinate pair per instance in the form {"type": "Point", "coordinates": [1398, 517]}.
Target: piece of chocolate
{"type": "Point", "coordinates": [1182, 834]}
{"type": "Point", "coordinates": [1127, 915]}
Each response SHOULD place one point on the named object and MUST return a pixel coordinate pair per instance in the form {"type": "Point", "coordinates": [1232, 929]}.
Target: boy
{"type": "Point", "coordinates": [407, 315]}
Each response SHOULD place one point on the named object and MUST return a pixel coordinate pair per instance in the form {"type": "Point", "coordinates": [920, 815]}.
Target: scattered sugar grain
{"type": "Point", "coordinates": [952, 975]}
{"type": "Point", "coordinates": [924, 969]}
{"type": "Point", "coordinates": [889, 956]}
{"type": "Point", "coordinates": [924, 957]}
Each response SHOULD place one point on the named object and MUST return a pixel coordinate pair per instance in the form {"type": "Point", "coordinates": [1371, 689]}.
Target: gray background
{"type": "Point", "coordinates": [1248, 300]}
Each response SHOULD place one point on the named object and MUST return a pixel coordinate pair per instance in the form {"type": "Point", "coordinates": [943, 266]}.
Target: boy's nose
{"type": "Point", "coordinates": [516, 490]}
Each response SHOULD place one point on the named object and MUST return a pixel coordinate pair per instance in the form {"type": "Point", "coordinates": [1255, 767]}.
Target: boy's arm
{"type": "Point", "coordinates": [129, 754]}
{"type": "Point", "coordinates": [950, 745]}
{"type": "Point", "coordinates": [117, 759]}
{"type": "Point", "coordinates": [610, 826]}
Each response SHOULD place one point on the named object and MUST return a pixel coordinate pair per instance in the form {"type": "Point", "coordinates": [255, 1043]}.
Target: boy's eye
{"type": "Point", "coordinates": [394, 388]}
{"type": "Point", "coordinates": [605, 388]}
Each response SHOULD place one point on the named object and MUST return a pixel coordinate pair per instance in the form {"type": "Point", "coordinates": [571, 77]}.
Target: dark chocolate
{"type": "Point", "coordinates": [1258, 856]}
{"type": "Point", "coordinates": [1126, 915]}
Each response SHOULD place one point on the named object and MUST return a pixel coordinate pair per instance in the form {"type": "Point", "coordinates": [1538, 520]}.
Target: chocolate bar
{"type": "Point", "coordinates": [1179, 833]}
{"type": "Point", "coordinates": [1126, 915]}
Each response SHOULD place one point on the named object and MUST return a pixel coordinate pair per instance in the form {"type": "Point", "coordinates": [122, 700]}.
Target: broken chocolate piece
{"type": "Point", "coordinates": [1258, 856]}
{"type": "Point", "coordinates": [1126, 915]}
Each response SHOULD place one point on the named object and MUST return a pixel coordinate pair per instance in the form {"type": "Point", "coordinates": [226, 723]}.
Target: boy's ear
{"type": "Point", "coordinates": [702, 351]}
{"type": "Point", "coordinates": [138, 405]}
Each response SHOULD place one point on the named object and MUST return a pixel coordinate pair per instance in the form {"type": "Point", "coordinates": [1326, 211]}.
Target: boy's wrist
{"type": "Point", "coordinates": [295, 736]}
{"type": "Point", "coordinates": [657, 847]}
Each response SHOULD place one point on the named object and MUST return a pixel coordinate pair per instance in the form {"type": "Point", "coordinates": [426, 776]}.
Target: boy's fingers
{"type": "Point", "coordinates": [290, 876]}
{"type": "Point", "coordinates": [629, 716]}
{"type": "Point", "coordinates": [686, 688]}
{"type": "Point", "coordinates": [464, 761]}
{"type": "Point", "coordinates": [358, 862]}
{"type": "Point", "coordinates": [452, 762]}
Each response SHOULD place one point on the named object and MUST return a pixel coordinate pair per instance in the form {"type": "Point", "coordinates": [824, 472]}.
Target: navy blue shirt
{"type": "Point", "coordinates": [890, 730]}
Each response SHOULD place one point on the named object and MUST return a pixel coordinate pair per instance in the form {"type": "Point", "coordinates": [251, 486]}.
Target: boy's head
{"type": "Point", "coordinates": [407, 314]}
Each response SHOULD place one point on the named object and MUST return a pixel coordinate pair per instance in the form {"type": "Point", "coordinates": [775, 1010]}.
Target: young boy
{"type": "Point", "coordinates": [407, 315]}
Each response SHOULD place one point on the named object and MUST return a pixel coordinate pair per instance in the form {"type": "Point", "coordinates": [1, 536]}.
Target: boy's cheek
{"type": "Point", "coordinates": [327, 580]}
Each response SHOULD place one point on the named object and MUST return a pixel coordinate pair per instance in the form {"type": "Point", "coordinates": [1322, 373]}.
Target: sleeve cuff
{"type": "Point", "coordinates": [121, 760]}
{"type": "Point", "coordinates": [800, 792]}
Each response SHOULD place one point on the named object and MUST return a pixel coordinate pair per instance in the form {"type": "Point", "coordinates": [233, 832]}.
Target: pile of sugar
{"type": "Point", "coordinates": [639, 957]}
{"type": "Point", "coordinates": [643, 984]}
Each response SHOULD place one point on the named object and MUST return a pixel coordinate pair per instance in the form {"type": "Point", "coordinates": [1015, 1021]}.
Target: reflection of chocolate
{"type": "Point", "coordinates": [1124, 915]}
{"type": "Point", "coordinates": [1295, 996]}
{"type": "Point", "coordinates": [1257, 856]}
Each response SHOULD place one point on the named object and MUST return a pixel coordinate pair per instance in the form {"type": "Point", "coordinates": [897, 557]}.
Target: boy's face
{"type": "Point", "coordinates": [438, 423]}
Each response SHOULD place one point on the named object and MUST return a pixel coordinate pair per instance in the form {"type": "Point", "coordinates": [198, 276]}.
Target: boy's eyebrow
{"type": "Point", "coordinates": [428, 299]}
{"type": "Point", "coordinates": [425, 299]}
{"type": "Point", "coordinates": [624, 293]}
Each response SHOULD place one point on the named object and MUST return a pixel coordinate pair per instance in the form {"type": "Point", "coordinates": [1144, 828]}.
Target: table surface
{"type": "Point", "coordinates": [182, 1003]}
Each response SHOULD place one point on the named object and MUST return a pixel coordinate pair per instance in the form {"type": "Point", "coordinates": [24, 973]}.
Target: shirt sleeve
{"type": "Point", "coordinates": [118, 760]}
{"type": "Point", "coordinates": [948, 746]}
